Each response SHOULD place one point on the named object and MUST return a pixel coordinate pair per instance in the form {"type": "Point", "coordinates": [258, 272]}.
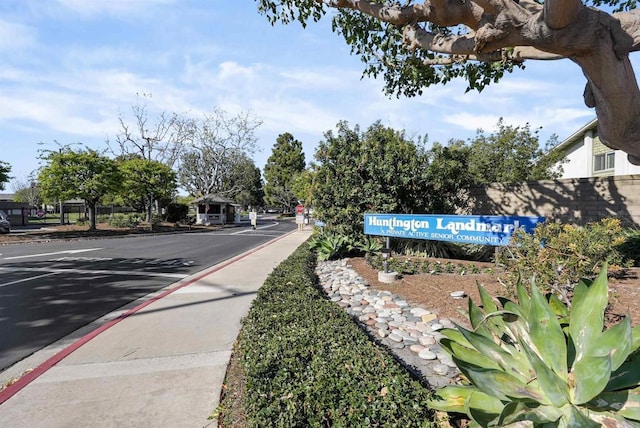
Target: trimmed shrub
{"type": "Point", "coordinates": [308, 364]}
{"type": "Point", "coordinates": [177, 212]}
{"type": "Point", "coordinates": [123, 220]}
{"type": "Point", "coordinates": [630, 248]}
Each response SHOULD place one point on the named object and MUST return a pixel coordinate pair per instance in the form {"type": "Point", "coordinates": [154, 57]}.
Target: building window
{"type": "Point", "coordinates": [604, 161]}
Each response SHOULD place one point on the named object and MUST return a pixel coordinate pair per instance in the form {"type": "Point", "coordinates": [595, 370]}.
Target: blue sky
{"type": "Point", "coordinates": [69, 68]}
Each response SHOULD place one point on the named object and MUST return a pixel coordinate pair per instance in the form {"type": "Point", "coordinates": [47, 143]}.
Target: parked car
{"type": "Point", "coordinates": [5, 226]}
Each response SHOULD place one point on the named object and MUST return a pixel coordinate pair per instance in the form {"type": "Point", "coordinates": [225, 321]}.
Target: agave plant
{"type": "Point", "coordinates": [370, 245]}
{"type": "Point", "coordinates": [541, 362]}
{"type": "Point", "coordinates": [330, 245]}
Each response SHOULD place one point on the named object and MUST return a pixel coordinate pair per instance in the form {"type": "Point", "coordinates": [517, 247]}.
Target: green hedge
{"type": "Point", "coordinates": [307, 364]}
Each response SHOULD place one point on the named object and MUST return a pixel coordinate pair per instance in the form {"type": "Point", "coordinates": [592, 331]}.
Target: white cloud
{"type": "Point", "coordinates": [111, 7]}
{"type": "Point", "coordinates": [326, 78]}
{"type": "Point", "coordinates": [16, 37]}
{"type": "Point", "coordinates": [58, 112]}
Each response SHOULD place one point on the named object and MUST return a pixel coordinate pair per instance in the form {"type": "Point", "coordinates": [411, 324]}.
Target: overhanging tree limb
{"type": "Point", "coordinates": [414, 44]}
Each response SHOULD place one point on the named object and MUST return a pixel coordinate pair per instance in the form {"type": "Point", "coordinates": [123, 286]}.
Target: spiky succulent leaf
{"type": "Point", "coordinates": [514, 308]}
{"type": "Point", "coordinates": [560, 309]}
{"type": "Point", "coordinates": [476, 315]}
{"type": "Point", "coordinates": [546, 334]}
{"type": "Point", "coordinates": [517, 411]}
{"type": "Point", "coordinates": [624, 403]}
{"type": "Point", "coordinates": [590, 375]}
{"type": "Point", "coordinates": [497, 383]}
{"type": "Point", "coordinates": [627, 376]}
{"type": "Point", "coordinates": [451, 398]}
{"type": "Point", "coordinates": [483, 409]}
{"type": "Point", "coordinates": [494, 316]}
{"type": "Point", "coordinates": [556, 391]}
{"type": "Point", "coordinates": [468, 355]}
{"type": "Point", "coordinates": [616, 342]}
{"type": "Point", "coordinates": [456, 336]}
{"type": "Point", "coordinates": [635, 339]}
{"type": "Point", "coordinates": [477, 405]}
{"type": "Point", "coordinates": [578, 419]}
{"type": "Point", "coordinates": [523, 297]}
{"type": "Point", "coordinates": [587, 313]}
{"type": "Point", "coordinates": [487, 302]}
{"type": "Point", "coordinates": [488, 348]}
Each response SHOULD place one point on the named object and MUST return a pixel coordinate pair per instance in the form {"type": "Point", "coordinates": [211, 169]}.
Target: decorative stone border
{"type": "Point", "coordinates": [410, 333]}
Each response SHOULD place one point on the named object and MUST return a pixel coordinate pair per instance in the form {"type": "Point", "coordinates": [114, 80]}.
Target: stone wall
{"type": "Point", "coordinates": [573, 200]}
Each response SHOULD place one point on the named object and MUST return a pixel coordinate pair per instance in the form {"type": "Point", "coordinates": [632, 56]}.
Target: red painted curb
{"type": "Point", "coordinates": [25, 380]}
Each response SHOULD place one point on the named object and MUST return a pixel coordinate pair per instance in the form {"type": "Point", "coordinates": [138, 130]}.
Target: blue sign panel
{"type": "Point", "coordinates": [320, 223]}
{"type": "Point", "coordinates": [471, 229]}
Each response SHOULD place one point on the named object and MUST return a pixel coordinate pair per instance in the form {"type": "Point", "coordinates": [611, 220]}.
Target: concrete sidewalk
{"type": "Point", "coordinates": [162, 365]}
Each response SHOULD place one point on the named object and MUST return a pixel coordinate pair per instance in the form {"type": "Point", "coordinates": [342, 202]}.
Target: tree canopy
{"type": "Point", "coordinates": [5, 169]}
{"type": "Point", "coordinates": [83, 174]}
{"type": "Point", "coordinates": [284, 163]}
{"type": "Point", "coordinates": [245, 183]}
{"type": "Point", "coordinates": [381, 170]}
{"type": "Point", "coordinates": [512, 154]}
{"type": "Point", "coordinates": [145, 181]}
{"type": "Point", "coordinates": [414, 44]}
{"type": "Point", "coordinates": [378, 170]}
{"type": "Point", "coordinates": [221, 144]}
{"type": "Point", "coordinates": [27, 191]}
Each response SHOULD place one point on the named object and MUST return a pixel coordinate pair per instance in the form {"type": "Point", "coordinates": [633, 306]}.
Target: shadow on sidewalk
{"type": "Point", "coordinates": [200, 302]}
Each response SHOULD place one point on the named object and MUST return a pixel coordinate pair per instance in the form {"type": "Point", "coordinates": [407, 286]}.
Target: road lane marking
{"type": "Point", "coordinates": [96, 272]}
{"type": "Point", "coordinates": [253, 230]}
{"type": "Point", "coordinates": [31, 278]}
{"type": "Point", "coordinates": [52, 254]}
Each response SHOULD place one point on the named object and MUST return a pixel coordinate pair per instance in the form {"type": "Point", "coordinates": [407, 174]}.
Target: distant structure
{"type": "Point", "coordinates": [586, 156]}
{"type": "Point", "coordinates": [215, 209]}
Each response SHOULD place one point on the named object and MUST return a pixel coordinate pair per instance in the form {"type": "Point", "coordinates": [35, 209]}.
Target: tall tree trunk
{"type": "Point", "coordinates": [92, 214]}
{"type": "Point", "coordinates": [149, 210]}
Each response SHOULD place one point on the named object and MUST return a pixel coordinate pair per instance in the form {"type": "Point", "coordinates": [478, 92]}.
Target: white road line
{"type": "Point", "coordinates": [27, 279]}
{"type": "Point", "coordinates": [253, 230]}
{"type": "Point", "coordinates": [96, 272]}
{"type": "Point", "coordinates": [52, 254]}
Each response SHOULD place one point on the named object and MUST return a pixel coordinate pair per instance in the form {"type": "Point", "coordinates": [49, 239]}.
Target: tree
{"type": "Point", "coordinates": [447, 177]}
{"type": "Point", "coordinates": [222, 143]}
{"type": "Point", "coordinates": [27, 191]}
{"type": "Point", "coordinates": [83, 174]}
{"type": "Point", "coordinates": [162, 139]}
{"type": "Point", "coordinates": [245, 179]}
{"type": "Point", "coordinates": [145, 181]}
{"type": "Point", "coordinates": [513, 155]}
{"type": "Point", "coordinates": [5, 169]}
{"type": "Point", "coordinates": [415, 44]}
{"type": "Point", "coordinates": [304, 185]}
{"type": "Point", "coordinates": [379, 170]}
{"type": "Point", "coordinates": [286, 160]}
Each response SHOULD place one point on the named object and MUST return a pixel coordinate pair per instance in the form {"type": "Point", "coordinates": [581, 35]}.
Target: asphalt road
{"type": "Point", "coordinates": [48, 290]}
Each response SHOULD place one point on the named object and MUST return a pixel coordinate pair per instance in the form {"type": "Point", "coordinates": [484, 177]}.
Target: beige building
{"type": "Point", "coordinates": [586, 156]}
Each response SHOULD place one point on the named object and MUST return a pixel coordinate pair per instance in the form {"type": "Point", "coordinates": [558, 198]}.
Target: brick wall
{"type": "Point", "coordinates": [574, 200]}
